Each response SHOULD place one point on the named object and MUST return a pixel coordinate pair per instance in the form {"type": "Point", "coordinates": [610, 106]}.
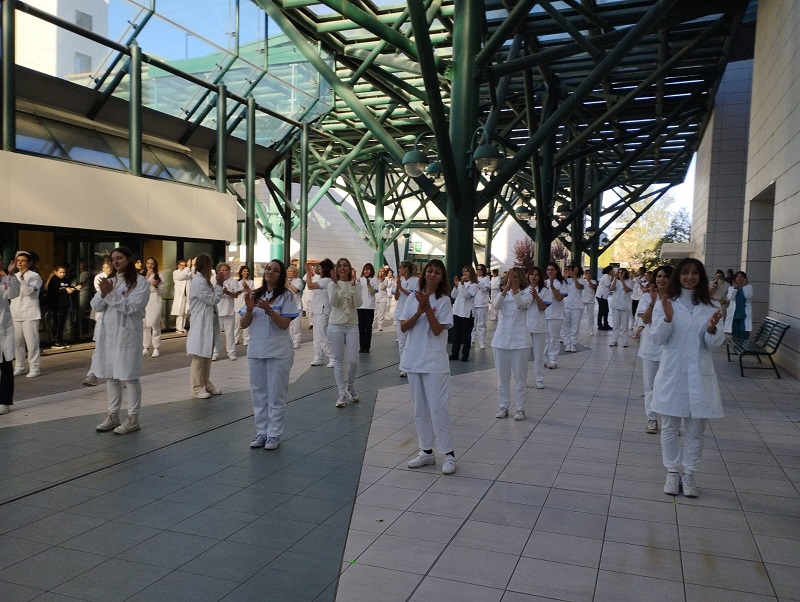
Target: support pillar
{"type": "Point", "coordinates": [222, 139]}
{"type": "Point", "coordinates": [135, 109]}
{"type": "Point", "coordinates": [304, 136]}
{"type": "Point", "coordinates": [467, 21]}
{"type": "Point", "coordinates": [287, 210]}
{"type": "Point", "coordinates": [8, 75]}
{"type": "Point", "coordinates": [487, 252]}
{"type": "Point", "coordinates": [250, 185]}
{"type": "Point", "coordinates": [380, 194]}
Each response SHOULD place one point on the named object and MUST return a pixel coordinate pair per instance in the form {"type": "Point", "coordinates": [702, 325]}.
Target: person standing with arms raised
{"type": "Point", "coordinates": [204, 334]}
{"type": "Point", "coordinates": [405, 286]}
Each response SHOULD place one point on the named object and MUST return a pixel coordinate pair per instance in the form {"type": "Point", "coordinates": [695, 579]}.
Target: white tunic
{"type": "Point", "coordinates": [482, 295]}
{"type": "Point", "coordinates": [512, 325]}
{"type": "Point", "coordinates": [619, 298]}
{"type": "Point", "coordinates": [152, 314]}
{"type": "Point", "coordinates": [238, 303]}
{"type": "Point", "coordinates": [423, 352]}
{"type": "Point", "coordinates": [118, 348]}
{"type": "Point", "coordinates": [555, 311]}
{"type": "Point", "coordinates": [180, 303]}
{"type": "Point", "coordinates": [320, 304]}
{"type": "Point", "coordinates": [411, 285]}
{"type": "Point", "coordinates": [537, 319]}
{"type": "Point", "coordinates": [203, 299]}
{"type": "Point", "coordinates": [464, 295]}
{"type": "Point", "coordinates": [225, 305]}
{"type": "Point", "coordinates": [267, 339]}
{"type": "Point", "coordinates": [686, 383]}
{"type": "Point", "coordinates": [747, 289]}
{"type": "Point", "coordinates": [26, 305]}
{"type": "Point", "coordinates": [9, 289]}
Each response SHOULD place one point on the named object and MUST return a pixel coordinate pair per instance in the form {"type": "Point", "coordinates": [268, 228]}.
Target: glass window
{"type": "Point", "coordinates": [33, 137]}
{"type": "Point", "coordinates": [84, 146]}
{"type": "Point", "coordinates": [83, 20]}
{"type": "Point", "coordinates": [83, 63]}
{"type": "Point", "coordinates": [182, 168]}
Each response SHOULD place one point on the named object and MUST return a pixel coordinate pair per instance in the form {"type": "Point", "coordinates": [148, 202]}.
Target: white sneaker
{"type": "Point", "coordinates": [156, 353]}
{"type": "Point", "coordinates": [258, 441]}
{"type": "Point", "coordinates": [351, 393]}
{"type": "Point", "coordinates": [4, 409]}
{"type": "Point", "coordinates": [202, 395]}
{"type": "Point", "coordinates": [502, 413]}
{"type": "Point", "coordinates": [449, 466]}
{"type": "Point", "coordinates": [90, 381]}
{"type": "Point", "coordinates": [519, 415]}
{"type": "Point", "coordinates": [482, 345]}
{"type": "Point", "coordinates": [330, 364]}
{"type": "Point", "coordinates": [33, 374]}
{"type": "Point", "coordinates": [19, 371]}
{"type": "Point", "coordinates": [131, 424]}
{"type": "Point", "coordinates": [232, 357]}
{"type": "Point", "coordinates": [403, 374]}
{"type": "Point", "coordinates": [539, 384]}
{"type": "Point", "coordinates": [341, 402]}
{"type": "Point", "coordinates": [144, 352]}
{"type": "Point", "coordinates": [687, 485]}
{"type": "Point", "coordinates": [272, 443]}
{"type": "Point", "coordinates": [421, 460]}
{"type": "Point", "coordinates": [111, 422]}
{"type": "Point", "coordinates": [652, 427]}
{"type": "Point", "coordinates": [214, 357]}
{"type": "Point", "coordinates": [673, 484]}
{"type": "Point", "coordinates": [316, 362]}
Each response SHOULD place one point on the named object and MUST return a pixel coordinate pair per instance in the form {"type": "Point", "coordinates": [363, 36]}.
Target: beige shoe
{"type": "Point", "coordinates": [111, 422]}
{"type": "Point", "coordinates": [4, 409]}
{"type": "Point", "coordinates": [131, 424]}
{"type": "Point", "coordinates": [202, 395]}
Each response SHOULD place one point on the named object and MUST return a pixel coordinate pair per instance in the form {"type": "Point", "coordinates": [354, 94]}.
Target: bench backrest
{"type": "Point", "coordinates": [770, 335]}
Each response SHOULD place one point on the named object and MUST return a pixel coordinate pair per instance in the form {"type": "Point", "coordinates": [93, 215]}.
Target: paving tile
{"type": "Point", "coordinates": [19, 593]}
{"type": "Point", "coordinates": [716, 542]}
{"type": "Point", "coordinates": [566, 549]}
{"type": "Point", "coordinates": [389, 497]}
{"type": "Point", "coordinates": [580, 501]}
{"type": "Point", "coordinates": [293, 576]}
{"type": "Point", "coordinates": [16, 549]}
{"type": "Point", "coordinates": [480, 567]}
{"type": "Point", "coordinates": [56, 528]}
{"type": "Point", "coordinates": [231, 561]}
{"type": "Point", "coordinates": [373, 519]}
{"type": "Point", "coordinates": [445, 590]}
{"type": "Point", "coordinates": [492, 537]}
{"type": "Point", "coordinates": [111, 581]}
{"type": "Point", "coordinates": [50, 568]}
{"type": "Point", "coordinates": [641, 560]}
{"type": "Point", "coordinates": [785, 580]}
{"type": "Point", "coordinates": [160, 514]}
{"type": "Point", "coordinates": [553, 580]}
{"type": "Point", "coordinates": [426, 527]}
{"type": "Point", "coordinates": [169, 550]}
{"type": "Point", "coordinates": [712, 518]}
{"type": "Point", "coordinates": [443, 504]}
{"type": "Point", "coordinates": [110, 539]}
{"type": "Point", "coordinates": [726, 573]}
{"type": "Point", "coordinates": [658, 511]}
{"type": "Point", "coordinates": [178, 586]}
{"type": "Point", "coordinates": [506, 513]}
{"type": "Point", "coordinates": [360, 582]}
{"type": "Point", "coordinates": [623, 587]}
{"type": "Point", "coordinates": [411, 555]}
{"type": "Point", "coordinates": [518, 493]}
{"type": "Point", "coordinates": [327, 541]}
{"type": "Point", "coordinates": [567, 522]}
{"type": "Point", "coordinates": [702, 593]}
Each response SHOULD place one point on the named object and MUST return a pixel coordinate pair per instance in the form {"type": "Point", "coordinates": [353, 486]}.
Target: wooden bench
{"type": "Point", "coordinates": [766, 342]}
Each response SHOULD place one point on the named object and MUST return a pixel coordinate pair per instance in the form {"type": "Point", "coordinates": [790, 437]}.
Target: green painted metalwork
{"type": "Point", "coordinates": [8, 93]}
{"type": "Point", "coordinates": [135, 109]}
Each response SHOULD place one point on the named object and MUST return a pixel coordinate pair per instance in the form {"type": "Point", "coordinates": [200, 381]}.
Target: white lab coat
{"type": "Point", "coordinates": [203, 299]}
{"type": "Point", "coordinates": [180, 302]}
{"type": "Point", "coordinates": [152, 313]}
{"type": "Point", "coordinates": [25, 306]}
{"type": "Point", "coordinates": [9, 289]}
{"type": "Point", "coordinates": [747, 289]}
{"type": "Point", "coordinates": [686, 383]}
{"type": "Point", "coordinates": [512, 327]}
{"type": "Point", "coordinates": [118, 348]}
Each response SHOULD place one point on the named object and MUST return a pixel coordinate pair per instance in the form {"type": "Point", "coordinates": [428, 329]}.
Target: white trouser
{"type": "Point", "coordinates": [152, 336]}
{"type": "Point", "coordinates": [226, 325]}
{"type": "Point", "coordinates": [243, 334]}
{"type": "Point", "coordinates": [431, 396]}
{"type": "Point", "coordinates": [649, 369]}
{"type": "Point", "coordinates": [26, 335]}
{"type": "Point", "coordinates": [572, 325]}
{"type": "Point", "coordinates": [693, 429]}
{"type": "Point", "coordinates": [294, 332]}
{"type": "Point", "coordinates": [269, 381]}
{"type": "Point", "coordinates": [511, 362]}
{"type": "Point", "coordinates": [621, 319]}
{"type": "Point", "coordinates": [479, 332]}
{"type": "Point", "coordinates": [401, 340]}
{"type": "Point", "coordinates": [180, 322]}
{"type": "Point", "coordinates": [492, 310]}
{"type": "Point", "coordinates": [114, 390]}
{"type": "Point", "coordinates": [588, 310]}
{"type": "Point", "coordinates": [381, 308]}
{"type": "Point", "coordinates": [344, 339]}
{"type": "Point", "coordinates": [538, 340]}
{"type": "Point", "coordinates": [320, 335]}
{"type": "Point", "coordinates": [553, 339]}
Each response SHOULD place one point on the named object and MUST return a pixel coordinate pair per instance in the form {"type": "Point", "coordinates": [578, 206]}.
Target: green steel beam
{"type": "Point", "coordinates": [222, 140]}
{"type": "Point", "coordinates": [8, 74]}
{"type": "Point", "coordinates": [632, 36]}
{"type": "Point", "coordinates": [304, 189]}
{"type": "Point", "coordinates": [516, 17]}
{"type": "Point", "coordinates": [135, 110]}
{"type": "Point", "coordinates": [250, 185]}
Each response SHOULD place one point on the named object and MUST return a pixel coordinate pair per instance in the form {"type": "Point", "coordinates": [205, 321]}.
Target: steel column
{"type": "Point", "coordinates": [380, 193]}
{"type": "Point", "coordinates": [287, 210]}
{"type": "Point", "coordinates": [222, 139]}
{"type": "Point", "coordinates": [8, 74]}
{"type": "Point", "coordinates": [463, 123]}
{"type": "Point", "coordinates": [135, 109]}
{"type": "Point", "coordinates": [304, 143]}
{"type": "Point", "coordinates": [250, 185]}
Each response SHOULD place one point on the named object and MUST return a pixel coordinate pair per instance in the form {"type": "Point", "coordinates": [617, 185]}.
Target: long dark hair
{"type": "Point", "coordinates": [472, 275]}
{"type": "Point", "coordinates": [559, 275]}
{"type": "Point", "coordinates": [444, 285]}
{"type": "Point", "coordinates": [242, 268]}
{"type": "Point", "coordinates": [131, 274]}
{"type": "Point", "coordinates": [203, 265]}
{"type": "Point", "coordinates": [700, 294]}
{"type": "Point", "coordinates": [325, 268]}
{"type": "Point", "coordinates": [280, 286]}
{"type": "Point", "coordinates": [156, 275]}
{"type": "Point", "coordinates": [371, 270]}
{"type": "Point", "coordinates": [540, 283]}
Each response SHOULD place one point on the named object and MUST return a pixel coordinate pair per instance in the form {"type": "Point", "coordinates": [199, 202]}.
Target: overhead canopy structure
{"type": "Point", "coordinates": [577, 97]}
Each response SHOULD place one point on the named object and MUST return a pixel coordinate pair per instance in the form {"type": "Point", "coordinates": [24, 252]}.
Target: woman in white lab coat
{"type": "Point", "coordinates": [204, 334]}
{"type": "Point", "coordinates": [152, 313]}
{"type": "Point", "coordinates": [685, 387]}
{"type": "Point", "coordinates": [511, 343]}
{"type": "Point", "coordinates": [541, 299]}
{"type": "Point", "coordinates": [9, 289]}
{"type": "Point", "coordinates": [739, 321]}
{"type": "Point", "coordinates": [181, 278]}
{"type": "Point", "coordinates": [122, 297]}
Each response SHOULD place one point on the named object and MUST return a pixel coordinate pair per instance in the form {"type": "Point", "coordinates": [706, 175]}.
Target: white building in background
{"type": "Point", "coordinates": [48, 49]}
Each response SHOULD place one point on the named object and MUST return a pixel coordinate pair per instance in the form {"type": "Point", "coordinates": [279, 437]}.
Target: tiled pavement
{"type": "Point", "coordinates": [566, 505]}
